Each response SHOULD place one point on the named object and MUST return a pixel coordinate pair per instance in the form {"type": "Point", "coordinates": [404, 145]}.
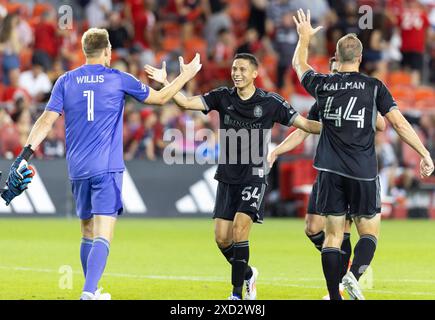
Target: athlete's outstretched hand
{"type": "Point", "coordinates": [192, 68]}
{"type": "Point", "coordinates": [158, 75]}
{"type": "Point", "coordinates": [271, 158]}
{"type": "Point", "coordinates": [303, 24]}
{"type": "Point", "coordinates": [426, 167]}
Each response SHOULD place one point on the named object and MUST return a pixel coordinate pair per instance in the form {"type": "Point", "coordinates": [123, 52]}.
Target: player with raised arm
{"type": "Point", "coordinates": [243, 109]}
{"type": "Point", "coordinates": [314, 221]}
{"type": "Point", "coordinates": [345, 158]}
{"type": "Point", "coordinates": [91, 98]}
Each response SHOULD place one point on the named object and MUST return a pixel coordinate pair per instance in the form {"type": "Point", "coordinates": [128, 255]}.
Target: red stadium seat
{"type": "Point", "coordinates": [40, 8]}
{"type": "Point", "coordinates": [403, 93]}
{"type": "Point", "coordinates": [194, 45]}
{"type": "Point", "coordinates": [399, 78]}
{"type": "Point", "coordinates": [295, 174]}
{"type": "Point", "coordinates": [320, 63]}
{"type": "Point", "coordinates": [424, 93]}
{"type": "Point", "coordinates": [171, 43]}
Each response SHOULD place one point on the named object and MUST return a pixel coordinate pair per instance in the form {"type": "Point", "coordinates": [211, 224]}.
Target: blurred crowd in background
{"type": "Point", "coordinates": [35, 51]}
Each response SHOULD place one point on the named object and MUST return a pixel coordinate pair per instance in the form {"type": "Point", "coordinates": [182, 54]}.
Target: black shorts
{"type": "Point", "coordinates": [246, 198]}
{"type": "Point", "coordinates": [413, 60]}
{"type": "Point", "coordinates": [338, 195]}
{"type": "Point", "coordinates": [312, 208]}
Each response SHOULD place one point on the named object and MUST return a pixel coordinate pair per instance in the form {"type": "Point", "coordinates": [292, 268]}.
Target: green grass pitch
{"type": "Point", "coordinates": [177, 259]}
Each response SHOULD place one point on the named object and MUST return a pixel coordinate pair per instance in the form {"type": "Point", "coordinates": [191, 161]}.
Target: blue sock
{"type": "Point", "coordinates": [85, 248]}
{"type": "Point", "coordinates": [96, 263]}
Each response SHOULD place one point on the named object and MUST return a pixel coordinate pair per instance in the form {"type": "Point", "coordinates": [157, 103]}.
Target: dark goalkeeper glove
{"type": "Point", "coordinates": [20, 175]}
{"type": "Point", "coordinates": [17, 187]}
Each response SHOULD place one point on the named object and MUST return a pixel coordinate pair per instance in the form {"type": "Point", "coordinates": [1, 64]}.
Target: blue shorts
{"type": "Point", "coordinates": [100, 195]}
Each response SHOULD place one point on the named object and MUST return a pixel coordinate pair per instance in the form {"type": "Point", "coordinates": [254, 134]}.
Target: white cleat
{"type": "Point", "coordinates": [251, 285]}
{"type": "Point", "coordinates": [98, 295]}
{"type": "Point", "coordinates": [87, 296]}
{"type": "Point", "coordinates": [352, 286]}
{"type": "Point", "coordinates": [233, 297]}
{"type": "Point", "coordinates": [341, 288]}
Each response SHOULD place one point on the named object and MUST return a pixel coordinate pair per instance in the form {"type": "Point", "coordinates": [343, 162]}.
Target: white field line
{"type": "Point", "coordinates": [271, 281]}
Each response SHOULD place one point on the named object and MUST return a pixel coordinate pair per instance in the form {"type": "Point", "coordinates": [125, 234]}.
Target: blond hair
{"type": "Point", "coordinates": [94, 40]}
{"type": "Point", "coordinates": [349, 48]}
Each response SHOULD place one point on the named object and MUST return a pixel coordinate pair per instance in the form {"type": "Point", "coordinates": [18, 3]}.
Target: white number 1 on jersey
{"type": "Point", "coordinates": [90, 95]}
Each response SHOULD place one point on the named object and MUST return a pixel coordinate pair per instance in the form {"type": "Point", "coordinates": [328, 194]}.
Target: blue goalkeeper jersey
{"type": "Point", "coordinates": [91, 98]}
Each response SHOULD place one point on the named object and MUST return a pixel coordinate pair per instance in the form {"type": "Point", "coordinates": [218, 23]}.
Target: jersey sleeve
{"type": "Point", "coordinates": [212, 99]}
{"type": "Point", "coordinates": [285, 114]}
{"type": "Point", "coordinates": [55, 103]}
{"type": "Point", "coordinates": [384, 100]}
{"type": "Point", "coordinates": [313, 114]}
{"type": "Point", "coordinates": [133, 87]}
{"type": "Point", "coordinates": [310, 80]}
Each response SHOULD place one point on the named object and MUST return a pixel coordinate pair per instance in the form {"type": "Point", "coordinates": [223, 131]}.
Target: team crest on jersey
{"type": "Point", "coordinates": [258, 111]}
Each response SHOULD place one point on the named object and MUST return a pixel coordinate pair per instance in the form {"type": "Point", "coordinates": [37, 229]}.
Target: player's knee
{"type": "Point", "coordinates": [311, 228]}
{"type": "Point", "coordinates": [240, 232]}
{"type": "Point", "coordinates": [223, 242]}
{"type": "Point", "coordinates": [88, 230]}
{"type": "Point", "coordinates": [333, 239]}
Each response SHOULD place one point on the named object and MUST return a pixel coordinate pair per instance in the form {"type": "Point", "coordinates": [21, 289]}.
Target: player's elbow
{"type": "Point", "coordinates": [399, 124]}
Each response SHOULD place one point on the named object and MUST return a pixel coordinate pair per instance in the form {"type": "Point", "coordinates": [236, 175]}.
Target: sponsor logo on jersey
{"type": "Point", "coordinates": [241, 124]}
{"type": "Point", "coordinates": [258, 111]}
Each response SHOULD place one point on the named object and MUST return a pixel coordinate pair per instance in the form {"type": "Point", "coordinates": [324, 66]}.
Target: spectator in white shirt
{"type": "Point", "coordinates": [35, 81]}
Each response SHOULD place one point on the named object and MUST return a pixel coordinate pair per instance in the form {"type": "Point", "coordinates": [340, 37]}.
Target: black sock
{"type": "Point", "coordinates": [240, 262]}
{"type": "Point", "coordinates": [346, 252]}
{"type": "Point", "coordinates": [317, 239]}
{"type": "Point", "coordinates": [363, 254]}
{"type": "Point", "coordinates": [228, 252]}
{"type": "Point", "coordinates": [331, 263]}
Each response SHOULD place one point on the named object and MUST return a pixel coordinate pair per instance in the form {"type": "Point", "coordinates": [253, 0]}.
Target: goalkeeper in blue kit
{"type": "Point", "coordinates": [91, 98]}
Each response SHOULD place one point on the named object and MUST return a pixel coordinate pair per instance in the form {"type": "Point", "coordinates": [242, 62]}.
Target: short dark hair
{"type": "Point", "coordinates": [247, 56]}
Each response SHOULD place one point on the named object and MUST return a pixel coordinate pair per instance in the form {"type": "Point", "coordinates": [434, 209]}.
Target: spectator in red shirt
{"type": "Point", "coordinates": [46, 38]}
{"type": "Point", "coordinates": [413, 23]}
{"type": "Point", "coordinates": [142, 144]}
{"type": "Point", "coordinates": [144, 21]}
{"type": "Point", "coordinates": [13, 92]}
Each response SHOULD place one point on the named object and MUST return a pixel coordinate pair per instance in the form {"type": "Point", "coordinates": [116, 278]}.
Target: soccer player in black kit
{"type": "Point", "coordinates": [345, 158]}
{"type": "Point", "coordinates": [243, 109]}
{"type": "Point", "coordinates": [314, 221]}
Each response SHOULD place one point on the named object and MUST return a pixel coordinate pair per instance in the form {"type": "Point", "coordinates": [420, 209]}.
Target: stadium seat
{"type": "Point", "coordinates": [171, 43]}
{"type": "Point", "coordinates": [295, 174]}
{"type": "Point", "coordinates": [40, 8]}
{"type": "Point", "coordinates": [399, 78]}
{"type": "Point", "coordinates": [320, 63]}
{"type": "Point", "coordinates": [424, 93]}
{"type": "Point", "coordinates": [403, 93]}
{"type": "Point", "coordinates": [194, 45]}
{"type": "Point", "coordinates": [170, 28]}
{"type": "Point", "coordinates": [13, 7]}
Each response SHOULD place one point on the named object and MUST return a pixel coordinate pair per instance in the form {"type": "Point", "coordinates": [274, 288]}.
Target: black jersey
{"type": "Point", "coordinates": [348, 103]}
{"type": "Point", "coordinates": [313, 114]}
{"type": "Point", "coordinates": [248, 122]}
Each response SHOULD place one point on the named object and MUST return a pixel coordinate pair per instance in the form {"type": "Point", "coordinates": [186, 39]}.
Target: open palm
{"type": "Point", "coordinates": [158, 75]}
{"type": "Point", "coordinates": [303, 24]}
